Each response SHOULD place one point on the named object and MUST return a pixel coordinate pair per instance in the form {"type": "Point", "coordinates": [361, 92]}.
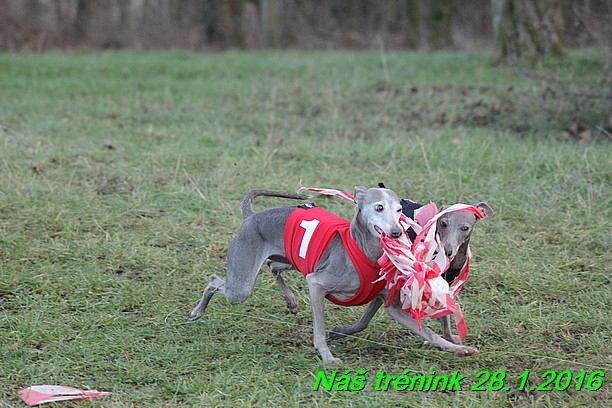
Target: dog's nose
{"type": "Point", "coordinates": [448, 251]}
{"type": "Point", "coordinates": [396, 232]}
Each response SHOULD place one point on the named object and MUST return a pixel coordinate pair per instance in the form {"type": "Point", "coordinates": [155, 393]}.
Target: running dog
{"type": "Point", "coordinates": [337, 257]}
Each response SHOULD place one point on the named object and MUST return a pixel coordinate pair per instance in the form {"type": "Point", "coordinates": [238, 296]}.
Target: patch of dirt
{"type": "Point", "coordinates": [133, 274]}
{"type": "Point", "coordinates": [571, 113]}
{"type": "Point", "coordinates": [114, 185]}
{"type": "Point", "coordinates": [290, 338]}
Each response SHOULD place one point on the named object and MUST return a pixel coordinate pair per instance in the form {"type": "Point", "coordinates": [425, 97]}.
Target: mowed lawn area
{"type": "Point", "coordinates": [121, 177]}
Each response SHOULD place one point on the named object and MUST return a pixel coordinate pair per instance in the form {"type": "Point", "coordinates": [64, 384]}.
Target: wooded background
{"type": "Point", "coordinates": [209, 25]}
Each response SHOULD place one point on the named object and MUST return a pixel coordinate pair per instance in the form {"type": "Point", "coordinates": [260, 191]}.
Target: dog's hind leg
{"type": "Point", "coordinates": [215, 285]}
{"type": "Point", "coordinates": [245, 257]}
{"type": "Point", "coordinates": [361, 324]}
{"type": "Point", "coordinates": [432, 338]}
{"type": "Point", "coordinates": [277, 268]}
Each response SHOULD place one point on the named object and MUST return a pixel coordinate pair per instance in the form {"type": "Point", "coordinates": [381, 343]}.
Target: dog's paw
{"type": "Point", "coordinates": [466, 351]}
{"type": "Point", "coordinates": [333, 361]}
{"type": "Point", "coordinates": [335, 334]}
{"type": "Point", "coordinates": [292, 306]}
{"type": "Point", "coordinates": [328, 358]}
{"type": "Point", "coordinates": [194, 315]}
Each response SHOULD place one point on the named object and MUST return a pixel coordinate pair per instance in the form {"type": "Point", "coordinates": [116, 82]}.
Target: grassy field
{"type": "Point", "coordinates": [121, 176]}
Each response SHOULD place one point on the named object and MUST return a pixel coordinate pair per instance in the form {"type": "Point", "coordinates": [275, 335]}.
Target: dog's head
{"type": "Point", "coordinates": [455, 228]}
{"type": "Point", "coordinates": [379, 210]}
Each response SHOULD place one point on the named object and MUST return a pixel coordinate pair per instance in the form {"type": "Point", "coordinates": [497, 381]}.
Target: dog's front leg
{"type": "Point", "coordinates": [447, 333]}
{"type": "Point", "coordinates": [317, 300]}
{"type": "Point", "coordinates": [432, 338]}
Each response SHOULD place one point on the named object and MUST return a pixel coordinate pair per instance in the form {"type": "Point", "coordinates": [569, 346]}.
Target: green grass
{"type": "Point", "coordinates": [121, 176]}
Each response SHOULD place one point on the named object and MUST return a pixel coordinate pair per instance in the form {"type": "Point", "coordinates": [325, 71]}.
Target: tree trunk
{"type": "Point", "coordinates": [414, 27]}
{"type": "Point", "coordinates": [527, 29]}
{"type": "Point", "coordinates": [270, 23]}
{"type": "Point", "coordinates": [439, 23]}
{"type": "Point", "coordinates": [231, 15]}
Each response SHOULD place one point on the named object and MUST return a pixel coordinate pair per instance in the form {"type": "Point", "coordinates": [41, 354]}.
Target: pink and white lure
{"type": "Point", "coordinates": [41, 394]}
{"type": "Point", "coordinates": [413, 271]}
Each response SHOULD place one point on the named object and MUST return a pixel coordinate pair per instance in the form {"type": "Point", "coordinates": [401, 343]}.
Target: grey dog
{"type": "Point", "coordinates": [261, 238]}
{"type": "Point", "coordinates": [455, 229]}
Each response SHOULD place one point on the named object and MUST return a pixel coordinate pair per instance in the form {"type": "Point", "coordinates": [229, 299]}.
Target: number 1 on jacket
{"type": "Point", "coordinates": [310, 227]}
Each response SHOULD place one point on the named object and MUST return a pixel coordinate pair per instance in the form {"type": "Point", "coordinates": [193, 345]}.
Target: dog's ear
{"type": "Point", "coordinates": [484, 207]}
{"type": "Point", "coordinates": [381, 185]}
{"type": "Point", "coordinates": [359, 193]}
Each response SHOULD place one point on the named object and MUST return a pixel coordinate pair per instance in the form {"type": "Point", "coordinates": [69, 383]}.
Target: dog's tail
{"type": "Point", "coordinates": [246, 202]}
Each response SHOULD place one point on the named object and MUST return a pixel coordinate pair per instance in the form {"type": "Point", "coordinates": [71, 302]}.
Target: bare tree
{"type": "Point", "coordinates": [527, 29]}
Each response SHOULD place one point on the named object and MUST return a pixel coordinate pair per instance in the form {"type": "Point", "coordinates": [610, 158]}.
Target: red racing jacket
{"type": "Point", "coordinates": [308, 233]}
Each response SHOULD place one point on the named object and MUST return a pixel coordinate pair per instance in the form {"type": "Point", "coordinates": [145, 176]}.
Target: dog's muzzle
{"type": "Point", "coordinates": [396, 232]}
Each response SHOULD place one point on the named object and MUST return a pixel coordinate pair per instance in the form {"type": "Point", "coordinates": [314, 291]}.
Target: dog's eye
{"type": "Point", "coordinates": [379, 208]}
{"type": "Point", "coordinates": [465, 228]}
{"type": "Point", "coordinates": [443, 224]}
